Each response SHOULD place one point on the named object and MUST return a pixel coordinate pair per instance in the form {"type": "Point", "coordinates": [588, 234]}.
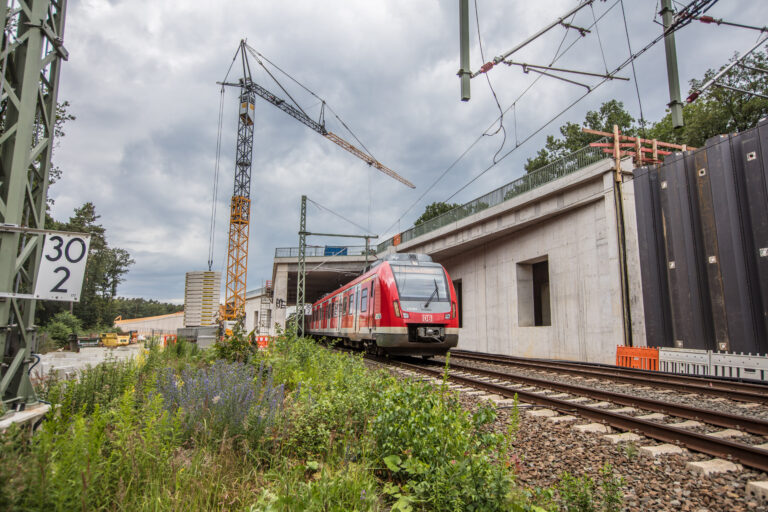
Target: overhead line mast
{"type": "Point", "coordinates": [239, 219]}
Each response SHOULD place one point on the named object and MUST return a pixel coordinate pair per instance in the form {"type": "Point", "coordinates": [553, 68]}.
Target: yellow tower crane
{"type": "Point", "coordinates": [240, 205]}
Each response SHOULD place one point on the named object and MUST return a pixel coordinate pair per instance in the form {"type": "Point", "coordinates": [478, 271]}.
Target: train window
{"type": "Point", "coordinates": [352, 305]}
{"type": "Point", "coordinates": [345, 310]}
{"type": "Point", "coordinates": [421, 283]}
{"type": "Point", "coordinates": [364, 301]}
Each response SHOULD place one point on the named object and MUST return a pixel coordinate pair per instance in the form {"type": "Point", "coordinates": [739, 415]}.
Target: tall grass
{"type": "Point", "coordinates": [296, 427]}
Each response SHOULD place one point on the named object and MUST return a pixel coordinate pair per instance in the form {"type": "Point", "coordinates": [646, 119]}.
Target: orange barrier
{"type": "Point", "coordinates": [168, 338]}
{"type": "Point", "coordinates": [643, 358]}
{"type": "Point", "coordinates": [262, 342]}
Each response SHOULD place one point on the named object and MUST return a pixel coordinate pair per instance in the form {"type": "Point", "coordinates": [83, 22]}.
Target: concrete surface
{"type": "Point", "coordinates": [562, 419]}
{"type": "Point", "coordinates": [652, 416]}
{"type": "Point", "coordinates": [542, 413]}
{"type": "Point", "coordinates": [728, 433]}
{"type": "Point", "coordinates": [597, 428]}
{"type": "Point", "coordinates": [29, 415]}
{"type": "Point", "coordinates": [624, 437]}
{"type": "Point", "coordinates": [712, 467]}
{"type": "Point", "coordinates": [758, 490]}
{"type": "Point", "coordinates": [687, 424]}
{"type": "Point", "coordinates": [661, 449]}
{"type": "Point", "coordinates": [66, 364]}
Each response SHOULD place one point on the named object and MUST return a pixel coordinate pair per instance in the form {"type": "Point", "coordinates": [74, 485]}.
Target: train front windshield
{"type": "Point", "coordinates": [421, 283]}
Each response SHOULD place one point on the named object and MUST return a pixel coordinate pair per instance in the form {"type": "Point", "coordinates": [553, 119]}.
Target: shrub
{"type": "Point", "coordinates": [235, 347]}
{"type": "Point", "coordinates": [437, 453]}
{"type": "Point", "coordinates": [61, 326]}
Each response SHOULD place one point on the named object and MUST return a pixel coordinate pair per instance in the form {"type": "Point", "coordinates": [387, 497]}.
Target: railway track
{"type": "Point", "coordinates": [570, 400]}
{"type": "Point", "coordinates": [731, 389]}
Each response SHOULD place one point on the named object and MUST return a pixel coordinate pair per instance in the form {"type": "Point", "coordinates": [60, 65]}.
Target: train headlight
{"type": "Point", "coordinates": [406, 315]}
{"type": "Point", "coordinates": [396, 306]}
{"type": "Point", "coordinates": [447, 316]}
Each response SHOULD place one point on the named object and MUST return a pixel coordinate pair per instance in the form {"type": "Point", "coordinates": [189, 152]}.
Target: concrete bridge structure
{"type": "Point", "coordinates": [536, 263]}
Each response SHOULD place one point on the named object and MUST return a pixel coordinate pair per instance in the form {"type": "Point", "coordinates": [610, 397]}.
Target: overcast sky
{"type": "Point", "coordinates": [142, 75]}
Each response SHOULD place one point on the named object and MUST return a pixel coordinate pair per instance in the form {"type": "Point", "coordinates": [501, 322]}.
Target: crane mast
{"type": "Point", "coordinates": [240, 205]}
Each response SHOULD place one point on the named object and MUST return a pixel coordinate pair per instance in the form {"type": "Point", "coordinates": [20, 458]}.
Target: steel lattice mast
{"type": "Point", "coordinates": [32, 51]}
{"type": "Point", "coordinates": [301, 275]}
{"type": "Point", "coordinates": [240, 206]}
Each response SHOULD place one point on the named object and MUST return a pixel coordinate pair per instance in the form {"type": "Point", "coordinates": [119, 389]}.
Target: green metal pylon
{"type": "Point", "coordinates": [301, 275]}
{"type": "Point", "coordinates": [31, 55]}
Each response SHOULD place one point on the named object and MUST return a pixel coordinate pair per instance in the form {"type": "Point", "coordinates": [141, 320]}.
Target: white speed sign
{"type": "Point", "coordinates": [62, 267]}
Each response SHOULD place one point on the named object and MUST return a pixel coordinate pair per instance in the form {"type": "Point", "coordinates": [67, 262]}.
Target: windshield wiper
{"type": "Point", "coordinates": [436, 292]}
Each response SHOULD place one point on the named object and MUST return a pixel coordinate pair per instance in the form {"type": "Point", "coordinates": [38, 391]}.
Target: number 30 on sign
{"type": "Point", "coordinates": [62, 267]}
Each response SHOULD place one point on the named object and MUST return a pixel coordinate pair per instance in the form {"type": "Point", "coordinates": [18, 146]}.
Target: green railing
{"type": "Point", "coordinates": [550, 172]}
{"type": "Point", "coordinates": [322, 250]}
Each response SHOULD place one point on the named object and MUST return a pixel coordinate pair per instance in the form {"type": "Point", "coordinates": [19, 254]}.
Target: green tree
{"type": "Point", "coordinates": [720, 110]}
{"type": "Point", "coordinates": [138, 307]}
{"type": "Point", "coordinates": [61, 326]}
{"type": "Point", "coordinates": [610, 113]}
{"type": "Point", "coordinates": [434, 210]}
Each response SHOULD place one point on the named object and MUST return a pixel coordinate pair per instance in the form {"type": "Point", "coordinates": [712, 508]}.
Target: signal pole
{"type": "Point", "coordinates": [675, 104]}
{"type": "Point", "coordinates": [464, 71]}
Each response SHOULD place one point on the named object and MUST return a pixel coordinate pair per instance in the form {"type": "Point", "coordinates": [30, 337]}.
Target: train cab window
{"type": "Point", "coordinates": [364, 301]}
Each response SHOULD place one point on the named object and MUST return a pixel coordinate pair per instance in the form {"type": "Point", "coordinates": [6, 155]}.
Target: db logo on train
{"type": "Point", "coordinates": [427, 318]}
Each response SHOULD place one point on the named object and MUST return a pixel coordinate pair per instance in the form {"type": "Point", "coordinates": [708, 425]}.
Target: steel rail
{"type": "Point", "coordinates": [751, 425]}
{"type": "Point", "coordinates": [734, 390]}
{"type": "Point", "coordinates": [748, 455]}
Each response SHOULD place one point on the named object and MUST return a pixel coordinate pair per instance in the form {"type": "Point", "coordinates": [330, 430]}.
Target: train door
{"type": "Point", "coordinates": [372, 306]}
{"type": "Point", "coordinates": [366, 303]}
{"type": "Point", "coordinates": [354, 308]}
{"type": "Point", "coordinates": [334, 314]}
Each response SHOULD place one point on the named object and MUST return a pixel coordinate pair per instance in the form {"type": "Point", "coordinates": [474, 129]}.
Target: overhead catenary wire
{"type": "Point", "coordinates": [599, 39]}
{"type": "Point", "coordinates": [493, 92]}
{"type": "Point", "coordinates": [682, 20]}
{"type": "Point", "coordinates": [634, 73]}
{"type": "Point", "coordinates": [558, 54]}
{"type": "Point", "coordinates": [337, 214]}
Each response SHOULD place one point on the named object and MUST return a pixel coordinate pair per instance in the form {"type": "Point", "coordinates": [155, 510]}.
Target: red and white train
{"type": "Point", "coordinates": [403, 304]}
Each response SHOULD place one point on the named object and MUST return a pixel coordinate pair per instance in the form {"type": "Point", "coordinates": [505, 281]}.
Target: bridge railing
{"type": "Point", "coordinates": [550, 172]}
{"type": "Point", "coordinates": [324, 250]}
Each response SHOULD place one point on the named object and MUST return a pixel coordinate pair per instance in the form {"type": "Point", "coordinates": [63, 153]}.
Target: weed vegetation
{"type": "Point", "coordinates": [294, 427]}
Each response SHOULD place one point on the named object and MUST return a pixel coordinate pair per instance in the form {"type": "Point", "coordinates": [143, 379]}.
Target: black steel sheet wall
{"type": "Point", "coordinates": [658, 315]}
{"type": "Point", "coordinates": [703, 236]}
